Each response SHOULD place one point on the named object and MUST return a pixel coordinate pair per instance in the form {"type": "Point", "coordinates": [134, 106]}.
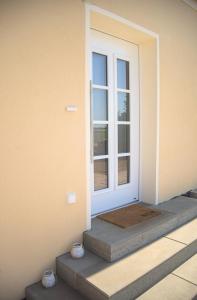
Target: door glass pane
{"type": "Point", "coordinates": [99, 69]}
{"type": "Point", "coordinates": [123, 170]}
{"type": "Point", "coordinates": [100, 140]}
{"type": "Point", "coordinates": [100, 105]}
{"type": "Point", "coordinates": [123, 74]}
{"type": "Point", "coordinates": [123, 107]}
{"type": "Point", "coordinates": [123, 138]}
{"type": "Point", "coordinates": [100, 174]}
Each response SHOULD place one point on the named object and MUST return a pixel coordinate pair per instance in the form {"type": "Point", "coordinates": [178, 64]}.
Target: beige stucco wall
{"type": "Point", "coordinates": [42, 55]}
{"type": "Point", "coordinates": [42, 145]}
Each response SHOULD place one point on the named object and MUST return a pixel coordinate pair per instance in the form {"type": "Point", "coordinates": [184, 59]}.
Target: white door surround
{"type": "Point", "coordinates": [148, 43]}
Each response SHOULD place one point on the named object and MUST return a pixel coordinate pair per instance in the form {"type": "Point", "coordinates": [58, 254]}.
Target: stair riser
{"type": "Point", "coordinates": [28, 295]}
{"type": "Point", "coordinates": [127, 246]}
{"type": "Point", "coordinates": [193, 194]}
{"type": "Point", "coordinates": [130, 245]}
{"type": "Point", "coordinates": [66, 274]}
{"type": "Point", "coordinates": [97, 247]}
{"type": "Point", "coordinates": [142, 284]}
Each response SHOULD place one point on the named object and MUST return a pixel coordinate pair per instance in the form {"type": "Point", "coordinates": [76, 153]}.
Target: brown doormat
{"type": "Point", "coordinates": [130, 215]}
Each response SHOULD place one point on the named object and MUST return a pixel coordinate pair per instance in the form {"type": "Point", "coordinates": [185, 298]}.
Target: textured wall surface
{"type": "Point", "coordinates": [42, 145]}
{"type": "Point", "coordinates": [42, 58]}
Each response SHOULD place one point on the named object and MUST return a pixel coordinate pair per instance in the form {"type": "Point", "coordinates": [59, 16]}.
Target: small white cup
{"type": "Point", "coordinates": [48, 279]}
{"type": "Point", "coordinates": [77, 250]}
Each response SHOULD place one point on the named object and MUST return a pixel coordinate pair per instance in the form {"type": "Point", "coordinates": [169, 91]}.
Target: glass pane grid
{"type": "Point", "coordinates": [100, 105]}
{"type": "Point", "coordinates": [123, 138]}
{"type": "Point", "coordinates": [123, 121]}
{"type": "Point", "coordinates": [100, 140]}
{"type": "Point", "coordinates": [101, 174]}
{"type": "Point", "coordinates": [123, 74]}
{"type": "Point", "coordinates": [123, 107]}
{"type": "Point", "coordinates": [99, 69]}
{"type": "Point", "coordinates": [123, 170]}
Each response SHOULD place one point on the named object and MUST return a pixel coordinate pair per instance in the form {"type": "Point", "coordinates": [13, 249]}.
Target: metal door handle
{"type": "Point", "coordinates": [91, 123]}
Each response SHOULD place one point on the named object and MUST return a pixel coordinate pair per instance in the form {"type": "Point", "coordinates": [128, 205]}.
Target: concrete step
{"type": "Point", "coordinates": [61, 291]}
{"type": "Point", "coordinates": [181, 284]}
{"type": "Point", "coordinates": [171, 288]}
{"type": "Point", "coordinates": [112, 242]}
{"type": "Point", "coordinates": [132, 275]}
{"type": "Point", "coordinates": [193, 193]}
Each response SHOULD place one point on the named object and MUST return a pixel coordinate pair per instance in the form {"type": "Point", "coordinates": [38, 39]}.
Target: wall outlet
{"type": "Point", "coordinates": [71, 197]}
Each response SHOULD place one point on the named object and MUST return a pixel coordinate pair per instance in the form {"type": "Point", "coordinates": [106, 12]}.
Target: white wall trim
{"type": "Point", "coordinates": [93, 8]}
{"type": "Point", "coordinates": [107, 13]}
{"type": "Point", "coordinates": [87, 116]}
{"type": "Point", "coordinates": [158, 122]}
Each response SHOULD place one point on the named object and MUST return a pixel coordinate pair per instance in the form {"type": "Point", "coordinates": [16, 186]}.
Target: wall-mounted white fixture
{"type": "Point", "coordinates": [71, 107]}
{"type": "Point", "coordinates": [71, 197]}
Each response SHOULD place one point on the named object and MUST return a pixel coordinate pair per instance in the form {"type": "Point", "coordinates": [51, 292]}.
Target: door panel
{"type": "Point", "coordinates": [115, 122]}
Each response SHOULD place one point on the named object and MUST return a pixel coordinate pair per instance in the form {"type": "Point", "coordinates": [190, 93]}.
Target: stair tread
{"type": "Point", "coordinates": [188, 270]}
{"type": "Point", "coordinates": [112, 277]}
{"type": "Point", "coordinates": [179, 205]}
{"type": "Point", "coordinates": [171, 287]}
{"type": "Point", "coordinates": [79, 265]}
{"type": "Point", "coordinates": [61, 291]}
{"type": "Point", "coordinates": [111, 234]}
{"type": "Point", "coordinates": [185, 234]}
{"type": "Point", "coordinates": [169, 209]}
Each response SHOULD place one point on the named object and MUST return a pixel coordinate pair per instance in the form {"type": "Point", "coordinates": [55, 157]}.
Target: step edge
{"type": "Point", "coordinates": [187, 252]}
{"type": "Point", "coordinates": [169, 265]}
{"type": "Point", "coordinates": [177, 221]}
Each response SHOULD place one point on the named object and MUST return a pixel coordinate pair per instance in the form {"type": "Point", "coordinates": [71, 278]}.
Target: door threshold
{"type": "Point", "coordinates": [116, 208]}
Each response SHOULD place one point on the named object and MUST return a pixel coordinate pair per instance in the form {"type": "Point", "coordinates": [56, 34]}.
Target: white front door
{"type": "Point", "coordinates": [114, 122]}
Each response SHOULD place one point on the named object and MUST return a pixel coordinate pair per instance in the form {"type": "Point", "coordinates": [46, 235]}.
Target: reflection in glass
{"type": "Point", "coordinates": [123, 107]}
{"type": "Point", "coordinates": [99, 69]}
{"type": "Point", "coordinates": [123, 138]}
{"type": "Point", "coordinates": [100, 140]}
{"type": "Point", "coordinates": [123, 170]}
{"type": "Point", "coordinates": [123, 74]}
{"type": "Point", "coordinates": [100, 105]}
{"type": "Point", "coordinates": [100, 174]}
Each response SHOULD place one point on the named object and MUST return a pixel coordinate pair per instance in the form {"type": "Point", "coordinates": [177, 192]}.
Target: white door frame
{"type": "Point", "coordinates": [118, 195]}
{"type": "Point", "coordinates": [92, 8]}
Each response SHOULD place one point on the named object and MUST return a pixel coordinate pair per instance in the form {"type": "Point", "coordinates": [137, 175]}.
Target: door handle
{"type": "Point", "coordinates": [91, 124]}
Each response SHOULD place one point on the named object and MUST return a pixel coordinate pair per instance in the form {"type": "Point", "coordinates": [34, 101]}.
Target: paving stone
{"type": "Point", "coordinates": [111, 278]}
{"type": "Point", "coordinates": [186, 233]}
{"type": "Point", "coordinates": [171, 288]}
{"type": "Point", "coordinates": [188, 270]}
